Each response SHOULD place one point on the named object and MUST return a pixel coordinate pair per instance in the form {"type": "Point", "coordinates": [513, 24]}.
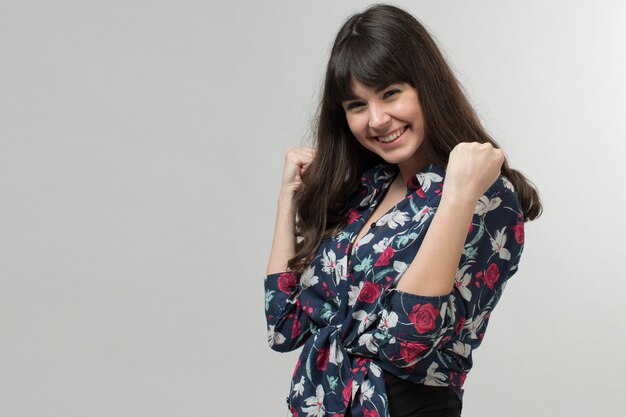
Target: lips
{"type": "Point", "coordinates": [391, 136]}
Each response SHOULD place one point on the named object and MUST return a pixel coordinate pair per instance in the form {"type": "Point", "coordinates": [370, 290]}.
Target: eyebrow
{"type": "Point", "coordinates": [353, 96]}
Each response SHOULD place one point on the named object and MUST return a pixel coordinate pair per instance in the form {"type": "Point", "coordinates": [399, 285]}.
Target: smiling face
{"type": "Point", "coordinates": [388, 122]}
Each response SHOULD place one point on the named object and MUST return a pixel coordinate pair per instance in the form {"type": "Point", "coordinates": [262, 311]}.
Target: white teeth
{"type": "Point", "coordinates": [392, 136]}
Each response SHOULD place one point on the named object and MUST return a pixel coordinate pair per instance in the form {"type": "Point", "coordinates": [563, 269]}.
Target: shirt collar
{"type": "Point", "coordinates": [427, 182]}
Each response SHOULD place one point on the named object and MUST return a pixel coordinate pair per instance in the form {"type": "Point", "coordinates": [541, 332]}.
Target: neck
{"type": "Point", "coordinates": [411, 167]}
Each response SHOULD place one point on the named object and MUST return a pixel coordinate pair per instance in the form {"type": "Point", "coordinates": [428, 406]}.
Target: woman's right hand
{"type": "Point", "coordinates": [297, 160]}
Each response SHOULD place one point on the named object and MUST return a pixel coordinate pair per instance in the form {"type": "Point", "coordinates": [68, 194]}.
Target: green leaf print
{"type": "Point", "coordinates": [269, 294]}
{"type": "Point", "coordinates": [326, 311]}
{"type": "Point", "coordinates": [332, 382]}
{"type": "Point", "coordinates": [381, 274]}
{"type": "Point", "coordinates": [344, 236]}
{"type": "Point", "coordinates": [470, 252]}
{"type": "Point", "coordinates": [406, 239]}
{"type": "Point", "coordinates": [365, 264]}
{"type": "Point", "coordinates": [479, 234]}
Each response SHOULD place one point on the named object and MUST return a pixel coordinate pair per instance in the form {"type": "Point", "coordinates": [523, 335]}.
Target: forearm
{"type": "Point", "coordinates": [284, 242]}
{"type": "Point", "coordinates": [433, 270]}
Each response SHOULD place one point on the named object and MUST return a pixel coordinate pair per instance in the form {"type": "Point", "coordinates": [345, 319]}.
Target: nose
{"type": "Point", "coordinates": [379, 118]}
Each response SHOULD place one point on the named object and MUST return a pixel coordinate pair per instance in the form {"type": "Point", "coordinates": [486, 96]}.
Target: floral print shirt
{"type": "Point", "coordinates": [353, 323]}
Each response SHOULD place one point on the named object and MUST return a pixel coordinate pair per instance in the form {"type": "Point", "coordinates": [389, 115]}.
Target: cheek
{"type": "Point", "coordinates": [357, 126]}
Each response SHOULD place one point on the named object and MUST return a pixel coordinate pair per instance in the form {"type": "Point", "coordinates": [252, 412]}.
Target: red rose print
{"type": "Point", "coordinates": [385, 257]}
{"type": "Point", "coordinates": [459, 325]}
{"type": "Point", "coordinates": [295, 328]}
{"type": "Point", "coordinates": [423, 317]}
{"type": "Point", "coordinates": [519, 232]}
{"type": "Point", "coordinates": [492, 275]}
{"type": "Point", "coordinates": [347, 392]}
{"type": "Point", "coordinates": [353, 215]}
{"type": "Point", "coordinates": [453, 376]}
{"type": "Point", "coordinates": [294, 413]}
{"type": "Point", "coordinates": [322, 358]}
{"type": "Point", "coordinates": [369, 293]}
{"type": "Point", "coordinates": [411, 350]}
{"type": "Point", "coordinates": [370, 413]}
{"type": "Point", "coordinates": [287, 282]}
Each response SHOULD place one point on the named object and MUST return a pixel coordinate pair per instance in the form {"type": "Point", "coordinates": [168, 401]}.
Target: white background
{"type": "Point", "coordinates": [141, 149]}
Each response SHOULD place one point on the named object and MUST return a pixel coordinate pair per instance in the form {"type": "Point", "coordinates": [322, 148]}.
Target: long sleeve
{"type": "Point", "coordinates": [410, 326]}
{"type": "Point", "coordinates": [287, 323]}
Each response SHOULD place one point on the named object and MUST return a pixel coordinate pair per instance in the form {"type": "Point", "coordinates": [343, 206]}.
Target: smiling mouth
{"type": "Point", "coordinates": [392, 136]}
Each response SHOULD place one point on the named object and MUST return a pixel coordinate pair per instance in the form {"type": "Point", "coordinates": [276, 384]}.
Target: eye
{"type": "Point", "coordinates": [353, 105]}
{"type": "Point", "coordinates": [391, 93]}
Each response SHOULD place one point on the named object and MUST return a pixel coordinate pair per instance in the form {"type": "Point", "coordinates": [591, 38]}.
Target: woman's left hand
{"type": "Point", "coordinates": [472, 168]}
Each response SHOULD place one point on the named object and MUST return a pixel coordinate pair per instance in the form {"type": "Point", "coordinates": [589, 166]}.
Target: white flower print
{"type": "Point", "coordinates": [331, 265]}
{"type": "Point", "coordinates": [329, 261]}
{"type": "Point", "coordinates": [298, 388]}
{"type": "Point", "coordinates": [316, 403]}
{"type": "Point", "coordinates": [341, 270]}
{"type": "Point", "coordinates": [474, 323]}
{"type": "Point", "coordinates": [462, 279]}
{"type": "Point", "coordinates": [434, 378]}
{"type": "Point", "coordinates": [308, 278]}
{"type": "Point", "coordinates": [400, 266]}
{"type": "Point", "coordinates": [388, 320]}
{"type": "Point", "coordinates": [274, 337]}
{"type": "Point", "coordinates": [355, 387]}
{"type": "Point", "coordinates": [375, 369]}
{"type": "Point", "coordinates": [382, 245]}
{"type": "Point", "coordinates": [354, 293]}
{"type": "Point", "coordinates": [484, 204]}
{"type": "Point", "coordinates": [498, 243]}
{"type": "Point", "coordinates": [367, 390]}
{"type": "Point", "coordinates": [366, 239]}
{"type": "Point", "coordinates": [384, 176]}
{"type": "Point", "coordinates": [364, 319]}
{"type": "Point", "coordinates": [335, 356]}
{"type": "Point", "coordinates": [393, 219]}
{"type": "Point", "coordinates": [427, 178]}
{"type": "Point", "coordinates": [368, 199]}
{"type": "Point", "coordinates": [367, 339]}
{"type": "Point", "coordinates": [462, 349]}
{"type": "Point", "coordinates": [423, 215]}
{"type": "Point", "coordinates": [508, 184]}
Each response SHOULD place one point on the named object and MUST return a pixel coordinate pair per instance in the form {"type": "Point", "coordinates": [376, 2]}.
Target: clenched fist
{"type": "Point", "coordinates": [297, 159]}
{"type": "Point", "coordinates": [472, 168]}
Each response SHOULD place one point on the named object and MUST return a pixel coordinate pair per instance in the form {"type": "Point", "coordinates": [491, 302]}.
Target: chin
{"type": "Point", "coordinates": [398, 158]}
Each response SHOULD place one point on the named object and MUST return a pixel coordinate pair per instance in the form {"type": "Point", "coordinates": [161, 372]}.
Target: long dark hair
{"type": "Point", "coordinates": [378, 47]}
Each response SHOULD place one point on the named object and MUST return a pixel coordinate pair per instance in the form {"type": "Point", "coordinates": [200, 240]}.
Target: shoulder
{"type": "Point", "coordinates": [502, 187]}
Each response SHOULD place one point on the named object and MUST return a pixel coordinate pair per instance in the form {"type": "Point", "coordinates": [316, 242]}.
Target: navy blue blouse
{"type": "Point", "coordinates": [353, 323]}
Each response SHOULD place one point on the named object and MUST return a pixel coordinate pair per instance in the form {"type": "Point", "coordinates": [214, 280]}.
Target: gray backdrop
{"type": "Point", "coordinates": [141, 149]}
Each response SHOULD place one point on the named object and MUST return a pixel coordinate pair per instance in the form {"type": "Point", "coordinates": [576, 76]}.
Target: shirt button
{"type": "Point", "coordinates": [373, 225]}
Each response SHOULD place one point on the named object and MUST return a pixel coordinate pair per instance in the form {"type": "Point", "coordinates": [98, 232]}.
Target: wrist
{"type": "Point", "coordinates": [286, 194]}
{"type": "Point", "coordinates": [460, 201]}
{"type": "Point", "coordinates": [286, 201]}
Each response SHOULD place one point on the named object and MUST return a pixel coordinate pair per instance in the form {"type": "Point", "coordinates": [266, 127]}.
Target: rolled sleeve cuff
{"type": "Point", "coordinates": [285, 282]}
{"type": "Point", "coordinates": [411, 317]}
{"type": "Point", "coordinates": [281, 288]}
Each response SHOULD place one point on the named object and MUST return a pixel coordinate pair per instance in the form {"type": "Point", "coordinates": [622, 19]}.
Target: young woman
{"type": "Point", "coordinates": [395, 235]}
